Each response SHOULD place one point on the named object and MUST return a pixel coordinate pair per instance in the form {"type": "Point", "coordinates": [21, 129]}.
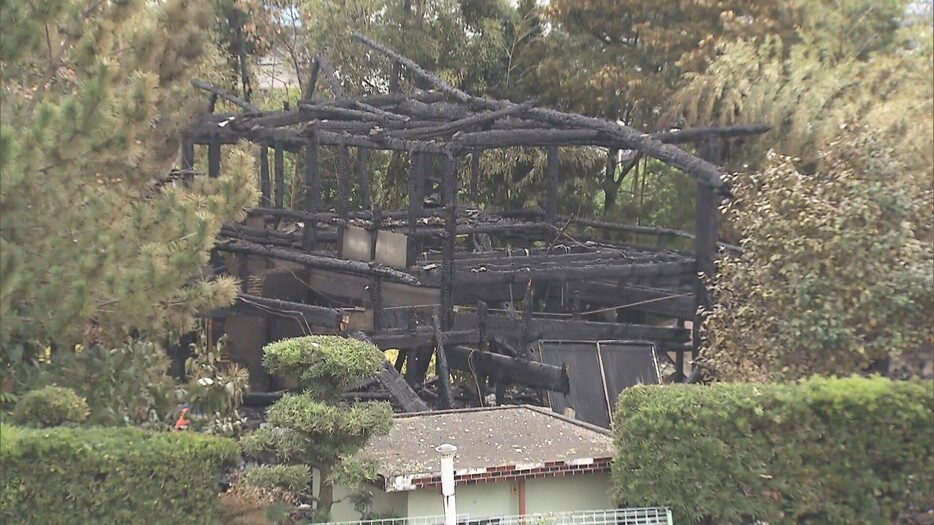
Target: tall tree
{"type": "Point", "coordinates": [836, 273]}
{"type": "Point", "coordinates": [97, 241]}
{"type": "Point", "coordinates": [623, 59]}
{"type": "Point", "coordinates": [806, 85]}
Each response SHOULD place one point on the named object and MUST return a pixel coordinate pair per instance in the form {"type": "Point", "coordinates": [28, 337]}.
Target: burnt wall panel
{"type": "Point", "coordinates": [593, 394]}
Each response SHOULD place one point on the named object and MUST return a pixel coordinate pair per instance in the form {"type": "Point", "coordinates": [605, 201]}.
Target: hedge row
{"type": "Point", "coordinates": [110, 476]}
{"type": "Point", "coordinates": [829, 451]}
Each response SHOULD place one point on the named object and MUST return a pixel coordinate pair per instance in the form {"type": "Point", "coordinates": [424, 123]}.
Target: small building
{"type": "Point", "coordinates": [511, 461]}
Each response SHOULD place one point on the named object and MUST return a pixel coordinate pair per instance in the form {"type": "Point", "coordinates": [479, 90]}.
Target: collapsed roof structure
{"type": "Point", "coordinates": [475, 288]}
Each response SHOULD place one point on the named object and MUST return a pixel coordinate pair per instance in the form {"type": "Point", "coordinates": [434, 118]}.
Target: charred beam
{"type": "Point", "coordinates": [224, 94]}
{"type": "Point", "coordinates": [400, 390]}
{"type": "Point", "coordinates": [421, 337]}
{"type": "Point", "coordinates": [566, 329]}
{"type": "Point", "coordinates": [509, 369]}
{"type": "Point", "coordinates": [312, 315]}
{"type": "Point", "coordinates": [317, 261]}
{"type": "Point", "coordinates": [444, 375]}
{"type": "Point", "coordinates": [363, 181]}
{"type": "Point", "coordinates": [701, 170]}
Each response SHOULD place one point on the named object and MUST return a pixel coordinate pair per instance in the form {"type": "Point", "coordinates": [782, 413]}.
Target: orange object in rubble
{"type": "Point", "coordinates": [183, 421]}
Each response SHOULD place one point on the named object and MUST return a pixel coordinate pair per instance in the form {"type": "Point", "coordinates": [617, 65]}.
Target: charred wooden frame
{"type": "Point", "coordinates": [432, 291]}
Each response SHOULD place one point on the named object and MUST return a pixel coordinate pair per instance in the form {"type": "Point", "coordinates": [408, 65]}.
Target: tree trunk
{"type": "Point", "coordinates": [325, 496]}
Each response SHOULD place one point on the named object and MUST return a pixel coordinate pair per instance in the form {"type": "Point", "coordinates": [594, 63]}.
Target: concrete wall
{"type": "Point", "coordinates": [391, 504]}
{"type": "Point", "coordinates": [569, 493]}
{"type": "Point", "coordinates": [487, 499]}
{"type": "Point", "coordinates": [566, 494]}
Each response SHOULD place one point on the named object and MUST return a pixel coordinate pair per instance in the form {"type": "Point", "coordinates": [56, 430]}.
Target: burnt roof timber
{"type": "Point", "coordinates": [315, 261]}
{"type": "Point", "coordinates": [571, 272]}
{"type": "Point", "coordinates": [393, 135]}
{"type": "Point", "coordinates": [701, 170]}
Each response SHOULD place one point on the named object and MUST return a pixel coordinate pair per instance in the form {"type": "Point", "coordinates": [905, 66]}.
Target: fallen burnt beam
{"type": "Point", "coordinates": [224, 94]}
{"type": "Point", "coordinates": [400, 390]}
{"type": "Point", "coordinates": [684, 136]}
{"type": "Point", "coordinates": [312, 315]}
{"type": "Point", "coordinates": [509, 369]}
{"type": "Point", "coordinates": [316, 261]}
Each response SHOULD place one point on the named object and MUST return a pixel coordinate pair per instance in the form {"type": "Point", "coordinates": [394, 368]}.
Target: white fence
{"type": "Point", "coordinates": [633, 516]}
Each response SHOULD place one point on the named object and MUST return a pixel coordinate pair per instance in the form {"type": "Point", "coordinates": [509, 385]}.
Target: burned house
{"type": "Point", "coordinates": [489, 292]}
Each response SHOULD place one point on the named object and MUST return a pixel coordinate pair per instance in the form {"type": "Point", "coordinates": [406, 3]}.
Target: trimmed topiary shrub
{"type": "Point", "coordinates": [828, 451]}
{"type": "Point", "coordinates": [50, 406]}
{"type": "Point", "coordinates": [324, 364]}
{"type": "Point", "coordinates": [110, 476]}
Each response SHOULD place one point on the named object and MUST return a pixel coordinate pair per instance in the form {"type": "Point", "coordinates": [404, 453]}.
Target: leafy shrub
{"type": "Point", "coordinates": [294, 478]}
{"type": "Point", "coordinates": [797, 302]}
{"type": "Point", "coordinates": [829, 451]}
{"type": "Point", "coordinates": [128, 385]}
{"type": "Point", "coordinates": [51, 406]}
{"type": "Point", "coordinates": [215, 390]}
{"type": "Point", "coordinates": [110, 476]}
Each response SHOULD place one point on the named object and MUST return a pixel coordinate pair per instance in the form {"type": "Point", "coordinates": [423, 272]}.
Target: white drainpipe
{"type": "Point", "coordinates": [447, 482]}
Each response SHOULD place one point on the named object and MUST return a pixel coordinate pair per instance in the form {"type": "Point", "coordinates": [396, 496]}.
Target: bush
{"type": "Point", "coordinates": [324, 364]}
{"type": "Point", "coordinates": [852, 450]}
{"type": "Point", "coordinates": [110, 476]}
{"type": "Point", "coordinates": [294, 478]}
{"type": "Point", "coordinates": [126, 385]}
{"type": "Point", "coordinates": [51, 406]}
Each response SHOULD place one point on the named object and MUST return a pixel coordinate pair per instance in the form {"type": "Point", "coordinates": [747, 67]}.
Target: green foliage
{"type": "Point", "coordinates": [330, 431]}
{"type": "Point", "coordinates": [830, 451]}
{"type": "Point", "coordinates": [214, 392]}
{"type": "Point", "coordinates": [127, 385]}
{"type": "Point", "coordinates": [323, 364]}
{"type": "Point", "coordinates": [316, 429]}
{"type": "Point", "coordinates": [97, 242]}
{"type": "Point", "coordinates": [110, 476]}
{"type": "Point", "coordinates": [837, 270]}
{"type": "Point", "coordinates": [294, 478]}
{"type": "Point", "coordinates": [808, 84]}
{"type": "Point", "coordinates": [51, 406]}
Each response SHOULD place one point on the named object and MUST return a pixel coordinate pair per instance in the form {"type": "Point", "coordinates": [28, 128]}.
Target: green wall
{"type": "Point", "coordinates": [570, 493]}
{"type": "Point", "coordinates": [487, 499]}
{"type": "Point", "coordinates": [566, 494]}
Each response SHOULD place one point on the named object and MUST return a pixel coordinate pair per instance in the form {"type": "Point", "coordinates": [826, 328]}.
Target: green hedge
{"type": "Point", "coordinates": [110, 476]}
{"type": "Point", "coordinates": [830, 451]}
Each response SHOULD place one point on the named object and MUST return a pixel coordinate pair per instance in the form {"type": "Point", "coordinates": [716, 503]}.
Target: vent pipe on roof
{"type": "Point", "coordinates": [447, 482]}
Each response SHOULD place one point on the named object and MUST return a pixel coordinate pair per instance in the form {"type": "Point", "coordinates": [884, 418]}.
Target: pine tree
{"type": "Point", "coordinates": [315, 429]}
{"type": "Point", "coordinates": [94, 237]}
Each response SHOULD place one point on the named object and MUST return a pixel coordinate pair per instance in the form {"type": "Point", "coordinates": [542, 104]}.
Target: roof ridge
{"type": "Point", "coordinates": [566, 419]}
{"type": "Point", "coordinates": [540, 410]}
{"type": "Point", "coordinates": [456, 411]}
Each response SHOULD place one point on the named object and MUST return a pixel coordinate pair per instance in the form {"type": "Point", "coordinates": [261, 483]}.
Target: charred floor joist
{"type": "Point", "coordinates": [479, 286]}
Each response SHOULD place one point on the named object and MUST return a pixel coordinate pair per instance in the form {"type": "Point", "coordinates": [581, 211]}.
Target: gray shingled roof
{"type": "Point", "coordinates": [485, 438]}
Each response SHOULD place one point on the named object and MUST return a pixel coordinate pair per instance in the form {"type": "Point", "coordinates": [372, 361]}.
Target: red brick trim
{"type": "Point", "coordinates": [550, 469]}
